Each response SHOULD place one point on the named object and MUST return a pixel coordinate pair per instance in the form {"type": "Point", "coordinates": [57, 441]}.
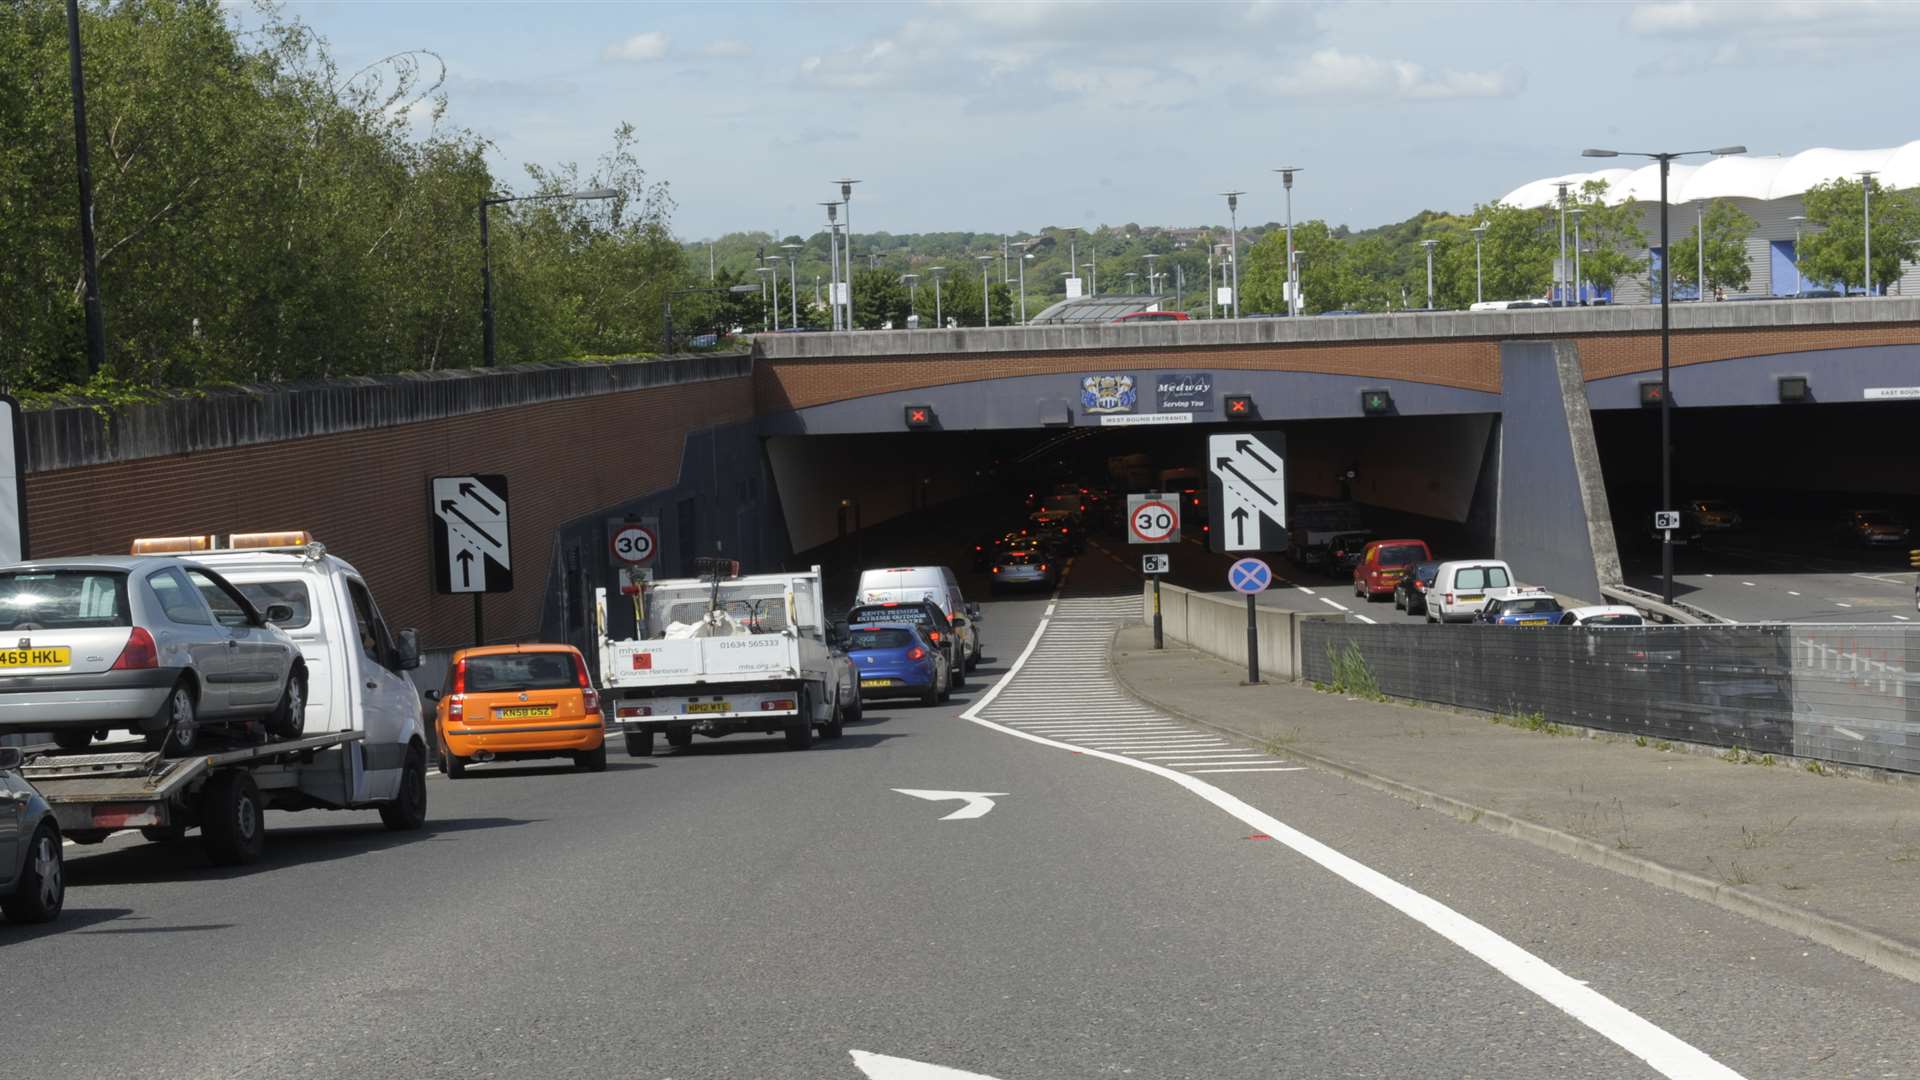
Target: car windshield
{"type": "Point", "coordinates": [1532, 605]}
{"type": "Point", "coordinates": [264, 594]}
{"type": "Point", "coordinates": [509, 672]}
{"type": "Point", "coordinates": [884, 637]}
{"type": "Point", "coordinates": [63, 599]}
{"type": "Point", "coordinates": [1401, 554]}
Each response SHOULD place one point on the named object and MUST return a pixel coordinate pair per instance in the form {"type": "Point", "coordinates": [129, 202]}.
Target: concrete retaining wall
{"type": "Point", "coordinates": [1218, 625]}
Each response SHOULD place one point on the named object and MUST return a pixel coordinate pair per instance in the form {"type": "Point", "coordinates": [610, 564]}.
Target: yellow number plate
{"type": "Point", "coordinates": [525, 712]}
{"type": "Point", "coordinates": [876, 682]}
{"type": "Point", "coordinates": [59, 657]}
{"type": "Point", "coordinates": [708, 706]}
{"type": "Point", "coordinates": [1533, 622]}
{"type": "Point", "coordinates": [1473, 596]}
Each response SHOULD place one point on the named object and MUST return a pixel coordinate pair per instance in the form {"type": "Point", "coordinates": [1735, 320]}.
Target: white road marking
{"type": "Point", "coordinates": [1667, 1054]}
{"type": "Point", "coordinates": [1790, 592]}
{"type": "Point", "coordinates": [882, 1067]}
{"type": "Point", "coordinates": [1281, 768]}
{"type": "Point", "coordinates": [1748, 584]}
{"type": "Point", "coordinates": [1334, 604]}
{"type": "Point", "coordinates": [1366, 620]}
{"type": "Point", "coordinates": [1308, 591]}
{"type": "Point", "coordinates": [1902, 618]}
{"type": "Point", "coordinates": [1837, 603]}
{"type": "Point", "coordinates": [978, 803]}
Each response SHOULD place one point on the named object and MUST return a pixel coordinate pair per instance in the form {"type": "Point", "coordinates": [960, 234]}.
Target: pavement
{"type": "Point", "coordinates": [1832, 857]}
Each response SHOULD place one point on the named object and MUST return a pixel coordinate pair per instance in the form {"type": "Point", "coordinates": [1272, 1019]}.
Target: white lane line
{"type": "Point", "coordinates": [1748, 584]}
{"type": "Point", "coordinates": [1281, 768]}
{"type": "Point", "coordinates": [1366, 620]}
{"type": "Point", "coordinates": [1308, 591]}
{"type": "Point", "coordinates": [1708, 575]}
{"type": "Point", "coordinates": [1837, 603]}
{"type": "Point", "coordinates": [1790, 592]}
{"type": "Point", "coordinates": [1195, 755]}
{"type": "Point", "coordinates": [1902, 618]}
{"type": "Point", "coordinates": [1666, 1053]}
{"type": "Point", "coordinates": [1334, 604]}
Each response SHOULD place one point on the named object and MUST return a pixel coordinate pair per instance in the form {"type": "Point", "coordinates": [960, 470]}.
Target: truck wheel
{"type": "Point", "coordinates": [42, 889]}
{"type": "Point", "coordinates": [594, 760]}
{"type": "Point", "coordinates": [408, 810]}
{"type": "Point", "coordinates": [800, 728]}
{"type": "Point", "coordinates": [232, 828]}
{"type": "Point", "coordinates": [73, 738]}
{"type": "Point", "coordinates": [640, 743]}
{"type": "Point", "coordinates": [288, 719]}
{"type": "Point", "coordinates": [836, 724]}
{"type": "Point", "coordinates": [679, 737]}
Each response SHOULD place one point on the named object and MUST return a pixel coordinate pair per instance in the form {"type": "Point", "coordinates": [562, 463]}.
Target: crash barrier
{"type": "Point", "coordinates": [1845, 694]}
{"type": "Point", "coordinates": [1218, 625]}
{"type": "Point", "coordinates": [1651, 606]}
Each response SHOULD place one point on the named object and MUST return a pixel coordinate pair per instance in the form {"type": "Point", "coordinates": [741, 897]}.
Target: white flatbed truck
{"type": "Point", "coordinates": [726, 654]}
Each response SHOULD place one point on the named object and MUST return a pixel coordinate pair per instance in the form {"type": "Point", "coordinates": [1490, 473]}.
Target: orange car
{"type": "Point", "coordinates": [510, 702]}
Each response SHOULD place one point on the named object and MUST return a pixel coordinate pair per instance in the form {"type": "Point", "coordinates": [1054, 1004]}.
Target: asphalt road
{"type": "Point", "coordinates": [1142, 899]}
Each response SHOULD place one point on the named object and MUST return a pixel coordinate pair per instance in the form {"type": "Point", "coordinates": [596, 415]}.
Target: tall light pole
{"type": "Point", "coordinates": [939, 319]}
{"type": "Point", "coordinates": [1073, 267]}
{"type": "Point", "coordinates": [1579, 283]}
{"type": "Point", "coordinates": [1151, 287]}
{"type": "Point", "coordinates": [1293, 279]}
{"type": "Point", "coordinates": [1131, 275]}
{"type": "Point", "coordinates": [1666, 344]}
{"type": "Point", "coordinates": [793, 284]}
{"type": "Point", "coordinates": [913, 298]}
{"type": "Point", "coordinates": [986, 290]}
{"type": "Point", "coordinates": [486, 256]}
{"type": "Point", "coordinates": [846, 199]}
{"type": "Point", "coordinates": [1866, 228]}
{"type": "Point", "coordinates": [768, 310]}
{"type": "Point", "coordinates": [1700, 250]}
{"type": "Point", "coordinates": [1233, 257]}
{"type": "Point", "coordinates": [1025, 258]}
{"type": "Point", "coordinates": [1428, 244]}
{"type": "Point", "coordinates": [89, 251]}
{"type": "Point", "coordinates": [1093, 272]}
{"type": "Point", "coordinates": [773, 264]}
{"type": "Point", "coordinates": [1560, 270]}
{"type": "Point", "coordinates": [1798, 281]}
{"type": "Point", "coordinates": [1479, 280]}
{"type": "Point", "coordinates": [833, 262]}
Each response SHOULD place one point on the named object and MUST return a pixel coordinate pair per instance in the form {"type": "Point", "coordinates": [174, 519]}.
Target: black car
{"type": "Point", "coordinates": [924, 614]}
{"type": "Point", "coordinates": [33, 884]}
{"type": "Point", "coordinates": [1344, 552]}
{"type": "Point", "coordinates": [1410, 595]}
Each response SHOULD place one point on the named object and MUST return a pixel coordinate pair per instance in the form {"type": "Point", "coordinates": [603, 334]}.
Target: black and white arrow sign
{"type": "Point", "coordinates": [1249, 492]}
{"type": "Point", "coordinates": [472, 545]}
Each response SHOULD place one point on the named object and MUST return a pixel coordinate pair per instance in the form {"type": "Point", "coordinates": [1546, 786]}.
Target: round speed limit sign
{"type": "Point", "coordinates": [635, 544]}
{"type": "Point", "coordinates": [1153, 521]}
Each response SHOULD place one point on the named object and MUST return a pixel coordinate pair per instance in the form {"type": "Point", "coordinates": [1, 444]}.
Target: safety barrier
{"type": "Point", "coordinates": [1218, 625]}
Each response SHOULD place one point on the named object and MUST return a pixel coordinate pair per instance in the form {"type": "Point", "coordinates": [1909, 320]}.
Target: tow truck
{"type": "Point", "coordinates": [363, 747]}
{"type": "Point", "coordinates": [724, 654]}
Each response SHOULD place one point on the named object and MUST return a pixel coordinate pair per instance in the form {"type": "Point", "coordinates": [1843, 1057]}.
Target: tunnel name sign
{"type": "Point", "coordinates": [1247, 483]}
{"type": "Point", "coordinates": [470, 539]}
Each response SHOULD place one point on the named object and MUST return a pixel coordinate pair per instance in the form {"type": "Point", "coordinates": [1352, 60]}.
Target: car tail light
{"type": "Point", "coordinates": [1043, 568]}
{"type": "Point", "coordinates": [1448, 598]}
{"type": "Point", "coordinates": [916, 653]}
{"type": "Point", "coordinates": [460, 676]}
{"type": "Point", "coordinates": [996, 569]}
{"type": "Point", "coordinates": [633, 710]}
{"type": "Point", "coordinates": [456, 707]}
{"type": "Point", "coordinates": [935, 635]}
{"type": "Point", "coordinates": [139, 652]}
{"type": "Point", "coordinates": [776, 705]}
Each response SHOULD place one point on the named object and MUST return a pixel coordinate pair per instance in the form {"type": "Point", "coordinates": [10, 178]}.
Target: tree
{"type": "Point", "coordinates": [1263, 277]}
{"type": "Point", "coordinates": [1619, 248]}
{"type": "Point", "coordinates": [1834, 249]}
{"type": "Point", "coordinates": [1723, 230]}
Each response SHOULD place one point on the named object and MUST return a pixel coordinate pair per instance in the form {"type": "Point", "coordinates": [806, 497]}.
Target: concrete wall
{"type": "Point", "coordinates": [1553, 525]}
{"type": "Point", "coordinates": [889, 476]}
{"type": "Point", "coordinates": [1427, 465]}
{"type": "Point", "coordinates": [1218, 625]}
{"type": "Point", "coordinates": [1833, 375]}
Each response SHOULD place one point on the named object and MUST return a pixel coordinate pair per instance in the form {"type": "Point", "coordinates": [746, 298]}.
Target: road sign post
{"type": "Point", "coordinates": [1247, 482]}
{"type": "Point", "coordinates": [1154, 566]}
{"type": "Point", "coordinates": [1251, 576]}
{"type": "Point", "coordinates": [472, 545]}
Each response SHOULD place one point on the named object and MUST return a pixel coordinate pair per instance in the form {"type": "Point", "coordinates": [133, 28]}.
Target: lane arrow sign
{"type": "Point", "coordinates": [466, 568]}
{"type": "Point", "coordinates": [882, 1067]}
{"type": "Point", "coordinates": [1239, 525]}
{"type": "Point", "coordinates": [978, 803]}
{"type": "Point", "coordinates": [1245, 446]}
{"type": "Point", "coordinates": [472, 491]}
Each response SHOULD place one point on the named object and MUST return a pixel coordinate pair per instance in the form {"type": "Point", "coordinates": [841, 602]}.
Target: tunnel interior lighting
{"type": "Point", "coordinates": [1376, 402]}
{"type": "Point", "coordinates": [1794, 389]}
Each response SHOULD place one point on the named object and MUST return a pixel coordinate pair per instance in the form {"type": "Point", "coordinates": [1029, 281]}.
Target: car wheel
{"type": "Point", "coordinates": [679, 737]}
{"type": "Point", "coordinates": [957, 673]}
{"type": "Point", "coordinates": [179, 730]}
{"type": "Point", "coordinates": [836, 724]}
{"type": "Point", "coordinates": [594, 760]}
{"type": "Point", "coordinates": [73, 738]}
{"type": "Point", "coordinates": [164, 834]}
{"type": "Point", "coordinates": [640, 743]}
{"type": "Point", "coordinates": [932, 696]}
{"type": "Point", "coordinates": [42, 889]}
{"type": "Point", "coordinates": [232, 825]}
{"type": "Point", "coordinates": [288, 719]}
{"type": "Point", "coordinates": [408, 810]}
{"type": "Point", "coordinates": [858, 710]}
{"type": "Point", "coordinates": [452, 764]}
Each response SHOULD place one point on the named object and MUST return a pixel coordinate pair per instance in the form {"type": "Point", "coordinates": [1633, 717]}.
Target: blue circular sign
{"type": "Point", "coordinates": [1250, 576]}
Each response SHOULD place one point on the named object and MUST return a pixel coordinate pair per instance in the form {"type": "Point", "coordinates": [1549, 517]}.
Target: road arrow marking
{"type": "Point", "coordinates": [882, 1067]}
{"type": "Point", "coordinates": [978, 804]}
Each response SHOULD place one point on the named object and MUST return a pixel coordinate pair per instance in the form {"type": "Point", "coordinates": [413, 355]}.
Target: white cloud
{"type": "Point", "coordinates": [640, 48]}
{"type": "Point", "coordinates": [1674, 17]}
{"type": "Point", "coordinates": [1330, 73]}
{"type": "Point", "coordinates": [727, 47]}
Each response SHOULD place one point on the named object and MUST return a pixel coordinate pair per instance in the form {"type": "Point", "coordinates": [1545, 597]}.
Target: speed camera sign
{"type": "Point", "coordinates": [1152, 519]}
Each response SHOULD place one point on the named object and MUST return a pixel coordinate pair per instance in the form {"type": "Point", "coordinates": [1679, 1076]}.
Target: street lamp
{"type": "Point", "coordinates": [793, 284]}
{"type": "Point", "coordinates": [486, 255]}
{"type": "Point", "coordinates": [846, 197]}
{"type": "Point", "coordinates": [1151, 287]}
{"type": "Point", "coordinates": [1560, 268]}
{"type": "Point", "coordinates": [833, 261]}
{"type": "Point", "coordinates": [1025, 258]}
{"type": "Point", "coordinates": [1131, 275]}
{"type": "Point", "coordinates": [913, 297]}
{"type": "Point", "coordinates": [1479, 281]}
{"type": "Point", "coordinates": [1233, 258]}
{"type": "Point", "coordinates": [773, 263]}
{"type": "Point", "coordinates": [986, 291]}
{"type": "Point", "coordinates": [1293, 280]}
{"type": "Point", "coordinates": [1666, 344]}
{"type": "Point", "coordinates": [1428, 244]}
{"type": "Point", "coordinates": [1798, 281]}
{"type": "Point", "coordinates": [1579, 283]}
{"type": "Point", "coordinates": [939, 320]}
{"type": "Point", "coordinates": [1866, 229]}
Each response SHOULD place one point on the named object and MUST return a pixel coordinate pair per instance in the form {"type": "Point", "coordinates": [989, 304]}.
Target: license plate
{"type": "Point", "coordinates": [524, 712]}
{"type": "Point", "coordinates": [59, 657]}
{"type": "Point", "coordinates": [1473, 596]}
{"type": "Point", "coordinates": [1533, 622]}
{"type": "Point", "coordinates": [708, 707]}
{"type": "Point", "coordinates": [864, 683]}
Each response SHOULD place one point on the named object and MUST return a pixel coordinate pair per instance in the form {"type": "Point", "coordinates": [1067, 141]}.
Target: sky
{"type": "Point", "coordinates": [997, 117]}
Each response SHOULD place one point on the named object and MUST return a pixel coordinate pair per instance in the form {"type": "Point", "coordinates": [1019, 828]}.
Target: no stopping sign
{"type": "Point", "coordinates": [1152, 520]}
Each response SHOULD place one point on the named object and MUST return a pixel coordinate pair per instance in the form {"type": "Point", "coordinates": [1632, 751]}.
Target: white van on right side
{"type": "Point", "coordinates": [1461, 588]}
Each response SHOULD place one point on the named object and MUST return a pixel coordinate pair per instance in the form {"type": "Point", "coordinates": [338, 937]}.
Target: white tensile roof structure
{"type": "Point", "coordinates": [1740, 176]}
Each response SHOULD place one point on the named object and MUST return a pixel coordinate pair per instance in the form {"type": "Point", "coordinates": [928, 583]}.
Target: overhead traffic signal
{"type": "Point", "coordinates": [1652, 393]}
{"type": "Point", "coordinates": [1376, 402]}
{"type": "Point", "coordinates": [1239, 406]}
{"type": "Point", "coordinates": [919, 416]}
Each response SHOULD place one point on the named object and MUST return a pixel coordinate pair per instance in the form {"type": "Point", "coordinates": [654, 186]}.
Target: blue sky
{"type": "Point", "coordinates": [1007, 116]}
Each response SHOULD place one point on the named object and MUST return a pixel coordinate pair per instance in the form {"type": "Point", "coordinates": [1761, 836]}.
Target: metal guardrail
{"type": "Point", "coordinates": [1679, 612]}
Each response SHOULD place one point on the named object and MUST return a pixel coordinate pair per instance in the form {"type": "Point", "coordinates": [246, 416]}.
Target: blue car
{"type": "Point", "coordinates": [1525, 608]}
{"type": "Point", "coordinates": [897, 660]}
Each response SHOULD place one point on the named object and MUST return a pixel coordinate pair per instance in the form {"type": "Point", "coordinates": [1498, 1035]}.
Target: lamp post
{"type": "Point", "coordinates": [1428, 244]}
{"type": "Point", "coordinates": [1025, 258]}
{"type": "Point", "coordinates": [1073, 267]}
{"type": "Point", "coordinates": [1560, 268]}
{"type": "Point", "coordinates": [1479, 280]}
{"type": "Point", "coordinates": [1151, 279]}
{"type": "Point", "coordinates": [486, 256]}
{"type": "Point", "coordinates": [1666, 344]}
{"type": "Point", "coordinates": [1700, 251]}
{"type": "Point", "coordinates": [1233, 256]}
{"type": "Point", "coordinates": [1093, 272]}
{"type": "Point", "coordinates": [1579, 283]}
{"type": "Point", "coordinates": [1131, 275]}
{"type": "Point", "coordinates": [1798, 282]}
{"type": "Point", "coordinates": [939, 320]}
{"type": "Point", "coordinates": [986, 290]}
{"type": "Point", "coordinates": [767, 310]}
{"type": "Point", "coordinates": [833, 262]}
{"type": "Point", "coordinates": [793, 284]}
{"type": "Point", "coordinates": [846, 199]}
{"type": "Point", "coordinates": [1866, 230]}
{"type": "Point", "coordinates": [913, 298]}
{"type": "Point", "coordinates": [773, 264]}
{"type": "Point", "coordinates": [89, 251]}
{"type": "Point", "coordinates": [1293, 280]}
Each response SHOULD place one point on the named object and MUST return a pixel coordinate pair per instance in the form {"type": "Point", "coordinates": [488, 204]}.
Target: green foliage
{"type": "Point", "coordinates": [1616, 246]}
{"type": "Point", "coordinates": [1832, 248]}
{"type": "Point", "coordinates": [1726, 228]}
{"type": "Point", "coordinates": [1351, 675]}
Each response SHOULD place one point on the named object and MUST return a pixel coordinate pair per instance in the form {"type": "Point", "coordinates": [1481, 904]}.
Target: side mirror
{"type": "Point", "coordinates": [279, 613]}
{"type": "Point", "coordinates": [432, 695]}
{"type": "Point", "coordinates": [11, 757]}
{"type": "Point", "coordinates": [406, 650]}
{"type": "Point", "coordinates": [960, 622]}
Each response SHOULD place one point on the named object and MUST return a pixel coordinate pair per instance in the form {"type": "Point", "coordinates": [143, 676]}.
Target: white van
{"type": "Point", "coordinates": [1461, 588]}
{"type": "Point", "coordinates": [905, 584]}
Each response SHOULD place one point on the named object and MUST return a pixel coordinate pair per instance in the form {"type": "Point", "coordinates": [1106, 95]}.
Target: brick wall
{"type": "Point", "coordinates": [364, 493]}
{"type": "Point", "coordinates": [1606, 355]}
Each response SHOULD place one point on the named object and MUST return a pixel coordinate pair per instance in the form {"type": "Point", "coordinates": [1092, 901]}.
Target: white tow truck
{"type": "Point", "coordinates": [723, 654]}
{"type": "Point", "coordinates": [362, 746]}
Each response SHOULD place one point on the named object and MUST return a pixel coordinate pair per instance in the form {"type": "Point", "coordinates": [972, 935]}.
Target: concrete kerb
{"type": "Point", "coordinates": [1888, 954]}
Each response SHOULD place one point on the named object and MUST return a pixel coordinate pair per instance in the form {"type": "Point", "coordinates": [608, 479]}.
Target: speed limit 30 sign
{"type": "Point", "coordinates": [635, 542]}
{"type": "Point", "coordinates": [1152, 519]}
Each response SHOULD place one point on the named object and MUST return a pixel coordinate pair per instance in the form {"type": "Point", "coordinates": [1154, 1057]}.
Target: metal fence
{"type": "Point", "coordinates": [1846, 694]}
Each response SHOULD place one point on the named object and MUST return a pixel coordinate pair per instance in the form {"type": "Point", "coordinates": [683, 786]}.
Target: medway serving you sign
{"type": "Point", "coordinates": [1185, 391]}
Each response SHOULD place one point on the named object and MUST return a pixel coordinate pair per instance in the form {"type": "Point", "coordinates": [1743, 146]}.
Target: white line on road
{"type": "Point", "coordinates": [1837, 603]}
{"type": "Point", "coordinates": [1334, 604]}
{"type": "Point", "coordinates": [1666, 1053]}
{"type": "Point", "coordinates": [1281, 768]}
{"type": "Point", "coordinates": [1308, 591]}
{"type": "Point", "coordinates": [1748, 584]}
{"type": "Point", "coordinates": [1366, 620]}
{"type": "Point", "coordinates": [1790, 592]}
{"type": "Point", "coordinates": [1902, 618]}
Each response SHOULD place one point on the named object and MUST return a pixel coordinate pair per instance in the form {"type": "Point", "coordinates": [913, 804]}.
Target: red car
{"type": "Point", "coordinates": [1384, 563]}
{"type": "Point", "coordinates": [1154, 316]}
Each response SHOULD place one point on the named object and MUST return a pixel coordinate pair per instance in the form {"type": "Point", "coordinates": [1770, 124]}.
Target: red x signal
{"type": "Point", "coordinates": [919, 416]}
{"type": "Point", "coordinates": [1239, 405]}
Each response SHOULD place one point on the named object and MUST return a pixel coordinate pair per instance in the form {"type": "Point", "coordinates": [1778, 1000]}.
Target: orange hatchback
{"type": "Point", "coordinates": [512, 702]}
